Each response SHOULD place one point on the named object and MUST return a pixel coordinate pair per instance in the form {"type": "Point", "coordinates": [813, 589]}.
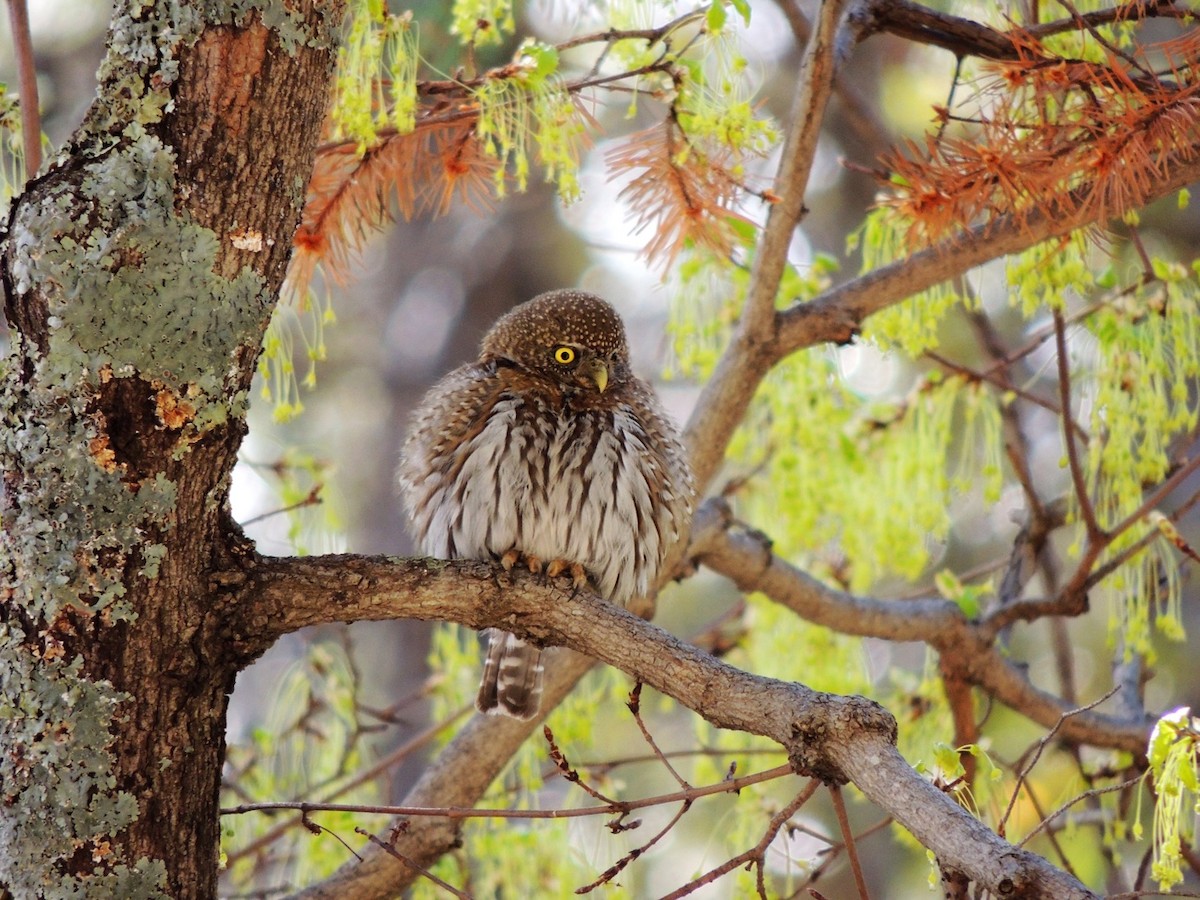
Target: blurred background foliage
{"type": "Point", "coordinates": [876, 466]}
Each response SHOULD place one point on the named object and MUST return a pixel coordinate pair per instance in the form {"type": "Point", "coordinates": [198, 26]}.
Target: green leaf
{"type": "Point", "coordinates": [715, 18]}
{"type": "Point", "coordinates": [545, 60]}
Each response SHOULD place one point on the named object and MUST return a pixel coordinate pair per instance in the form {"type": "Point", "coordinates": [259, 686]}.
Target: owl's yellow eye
{"type": "Point", "coordinates": [564, 355]}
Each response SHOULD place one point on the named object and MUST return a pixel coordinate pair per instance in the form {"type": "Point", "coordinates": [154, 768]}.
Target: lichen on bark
{"type": "Point", "coordinates": [56, 785]}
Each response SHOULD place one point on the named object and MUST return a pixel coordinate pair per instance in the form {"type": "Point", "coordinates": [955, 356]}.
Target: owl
{"type": "Point", "coordinates": [549, 452]}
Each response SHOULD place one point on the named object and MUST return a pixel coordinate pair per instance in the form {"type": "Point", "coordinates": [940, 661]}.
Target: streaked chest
{"type": "Point", "coordinates": [557, 484]}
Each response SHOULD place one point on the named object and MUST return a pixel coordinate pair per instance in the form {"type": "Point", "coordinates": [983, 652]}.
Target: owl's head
{"type": "Point", "coordinates": [572, 338]}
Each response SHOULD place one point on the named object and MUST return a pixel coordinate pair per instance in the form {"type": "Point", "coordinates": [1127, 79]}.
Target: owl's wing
{"type": "Point", "coordinates": [675, 484]}
{"type": "Point", "coordinates": [454, 411]}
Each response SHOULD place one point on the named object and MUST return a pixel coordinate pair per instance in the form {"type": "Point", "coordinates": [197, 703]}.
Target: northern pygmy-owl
{"type": "Point", "coordinates": [547, 449]}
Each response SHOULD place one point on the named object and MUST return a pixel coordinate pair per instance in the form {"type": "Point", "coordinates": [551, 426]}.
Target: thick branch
{"type": "Point", "coordinates": [831, 737]}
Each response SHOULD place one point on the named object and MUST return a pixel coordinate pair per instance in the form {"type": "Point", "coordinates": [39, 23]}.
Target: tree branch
{"type": "Point", "coordinates": [747, 359]}
{"type": "Point", "coordinates": [745, 557]}
{"type": "Point", "coordinates": [836, 315]}
{"type": "Point", "coordinates": [966, 37]}
{"type": "Point", "coordinates": [826, 736]}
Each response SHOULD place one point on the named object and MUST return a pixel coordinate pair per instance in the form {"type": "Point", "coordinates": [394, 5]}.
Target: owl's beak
{"type": "Point", "coordinates": [597, 370]}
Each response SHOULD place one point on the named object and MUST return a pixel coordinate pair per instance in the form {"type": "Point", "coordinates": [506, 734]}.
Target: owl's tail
{"type": "Point", "coordinates": [512, 677]}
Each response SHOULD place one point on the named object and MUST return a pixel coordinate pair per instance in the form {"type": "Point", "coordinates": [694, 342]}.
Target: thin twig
{"type": "Point", "coordinates": [650, 35]}
{"type": "Point", "coordinates": [1037, 754]}
{"type": "Point", "coordinates": [839, 808]}
{"type": "Point", "coordinates": [1094, 792]}
{"type": "Point", "coordinates": [563, 767]}
{"type": "Point", "coordinates": [468, 812]}
{"type": "Point", "coordinates": [1064, 861]}
{"type": "Point", "coordinates": [635, 707]}
{"type": "Point", "coordinates": [990, 375]}
{"type": "Point", "coordinates": [1102, 572]}
{"type": "Point", "coordinates": [318, 829]}
{"type": "Point", "coordinates": [1094, 532]}
{"type": "Point", "coordinates": [1161, 493]}
{"type": "Point", "coordinates": [396, 854]}
{"type": "Point", "coordinates": [616, 868]}
{"type": "Point", "coordinates": [607, 765]}
{"type": "Point", "coordinates": [756, 853]}
{"type": "Point", "coordinates": [31, 116]}
{"type": "Point", "coordinates": [313, 499]}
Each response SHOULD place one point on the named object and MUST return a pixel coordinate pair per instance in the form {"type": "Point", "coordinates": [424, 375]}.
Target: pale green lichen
{"type": "Point", "coordinates": [291, 25]}
{"type": "Point", "coordinates": [130, 288]}
{"type": "Point", "coordinates": [146, 270]}
{"type": "Point", "coordinates": [56, 785]}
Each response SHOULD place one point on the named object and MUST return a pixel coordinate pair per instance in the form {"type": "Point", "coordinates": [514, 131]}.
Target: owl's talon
{"type": "Point", "coordinates": [514, 556]}
{"type": "Point", "coordinates": [579, 578]}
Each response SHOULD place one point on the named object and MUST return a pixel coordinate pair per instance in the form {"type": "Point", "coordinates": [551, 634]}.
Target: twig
{"type": "Point", "coordinates": [467, 812]}
{"type": "Point", "coordinates": [756, 853]}
{"type": "Point", "coordinates": [1161, 493]}
{"type": "Point", "coordinates": [839, 808]}
{"type": "Point", "coordinates": [1064, 861]}
{"type": "Point", "coordinates": [31, 116]}
{"type": "Point", "coordinates": [1091, 29]}
{"type": "Point", "coordinates": [313, 499]}
{"type": "Point", "coordinates": [1094, 792]}
{"type": "Point", "coordinates": [1094, 532]}
{"type": "Point", "coordinates": [992, 376]}
{"type": "Point", "coordinates": [831, 853]}
{"type": "Point", "coordinates": [616, 868]}
{"type": "Point", "coordinates": [318, 829]}
{"type": "Point", "coordinates": [1037, 753]}
{"type": "Point", "coordinates": [608, 765]}
{"type": "Point", "coordinates": [635, 707]}
{"type": "Point", "coordinates": [564, 768]}
{"type": "Point", "coordinates": [650, 35]}
{"type": "Point", "coordinates": [1145, 9]}
{"type": "Point", "coordinates": [1102, 572]}
{"type": "Point", "coordinates": [396, 854]}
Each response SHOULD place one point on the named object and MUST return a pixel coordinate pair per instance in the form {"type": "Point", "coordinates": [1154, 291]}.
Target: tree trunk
{"type": "Point", "coordinates": [138, 275]}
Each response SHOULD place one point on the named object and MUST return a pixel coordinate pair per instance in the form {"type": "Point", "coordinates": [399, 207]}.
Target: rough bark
{"type": "Point", "coordinates": [139, 274]}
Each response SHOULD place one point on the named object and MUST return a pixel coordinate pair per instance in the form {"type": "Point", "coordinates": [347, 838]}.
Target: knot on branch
{"type": "Point", "coordinates": [828, 722]}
